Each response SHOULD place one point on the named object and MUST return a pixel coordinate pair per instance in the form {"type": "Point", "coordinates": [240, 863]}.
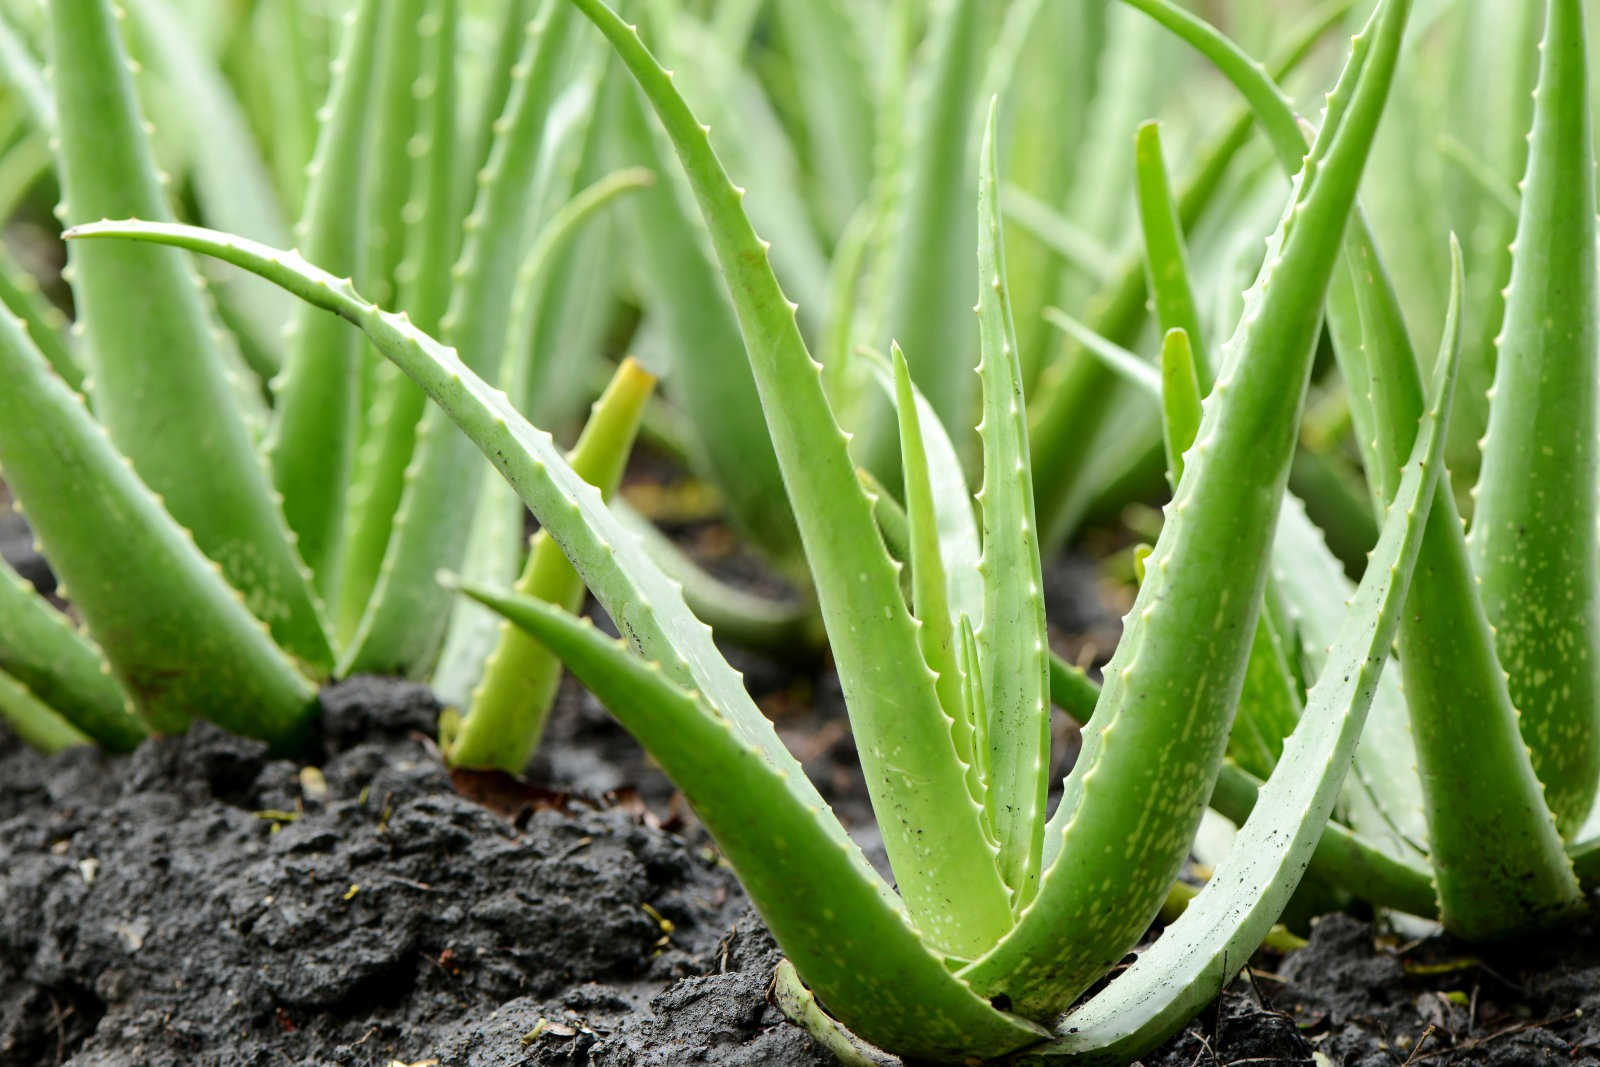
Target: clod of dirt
{"type": "Point", "coordinates": [199, 903]}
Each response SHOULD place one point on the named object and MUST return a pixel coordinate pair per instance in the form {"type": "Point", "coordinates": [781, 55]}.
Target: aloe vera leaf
{"type": "Point", "coordinates": [158, 381]}
{"type": "Point", "coordinates": [845, 931]}
{"type": "Point", "coordinates": [1069, 416]}
{"type": "Point", "coordinates": [231, 180]}
{"type": "Point", "coordinates": [933, 834]}
{"type": "Point", "coordinates": [40, 649]}
{"type": "Point", "coordinates": [836, 98]}
{"type": "Point", "coordinates": [35, 722]}
{"type": "Point", "coordinates": [1077, 246]}
{"type": "Point", "coordinates": [180, 640]}
{"type": "Point", "coordinates": [1011, 639]}
{"type": "Point", "coordinates": [960, 547]}
{"type": "Point", "coordinates": [423, 277]}
{"type": "Point", "coordinates": [1202, 951]}
{"type": "Point", "coordinates": [1166, 258]}
{"type": "Point", "coordinates": [633, 591]}
{"type": "Point", "coordinates": [495, 545]}
{"type": "Point", "coordinates": [510, 706]}
{"type": "Point", "coordinates": [510, 35]}
{"type": "Point", "coordinates": [46, 325]}
{"type": "Point", "coordinates": [315, 424]}
{"type": "Point", "coordinates": [1535, 541]}
{"type": "Point", "coordinates": [890, 516]}
{"type": "Point", "coordinates": [406, 615]}
{"type": "Point", "coordinates": [387, 173]}
{"type": "Point", "coordinates": [1498, 856]}
{"type": "Point", "coordinates": [1269, 703]}
{"type": "Point", "coordinates": [928, 264]}
{"type": "Point", "coordinates": [709, 378]}
{"type": "Point", "coordinates": [1152, 749]}
{"type": "Point", "coordinates": [21, 71]}
{"type": "Point", "coordinates": [1180, 399]}
{"type": "Point", "coordinates": [930, 584]}
{"type": "Point", "coordinates": [778, 627]}
{"type": "Point", "coordinates": [642, 601]}
{"type": "Point", "coordinates": [1490, 107]}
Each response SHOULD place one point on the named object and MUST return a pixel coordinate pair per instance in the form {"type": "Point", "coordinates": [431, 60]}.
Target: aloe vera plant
{"type": "Point", "coordinates": [1002, 916]}
{"type": "Point", "coordinates": [244, 576]}
{"type": "Point", "coordinates": [1496, 646]}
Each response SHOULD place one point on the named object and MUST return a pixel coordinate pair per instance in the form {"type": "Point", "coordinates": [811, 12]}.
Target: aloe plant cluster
{"type": "Point", "coordinates": [430, 321]}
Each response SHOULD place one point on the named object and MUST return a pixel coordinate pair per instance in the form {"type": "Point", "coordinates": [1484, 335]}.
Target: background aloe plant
{"type": "Point", "coordinates": [990, 892]}
{"type": "Point", "coordinates": [307, 537]}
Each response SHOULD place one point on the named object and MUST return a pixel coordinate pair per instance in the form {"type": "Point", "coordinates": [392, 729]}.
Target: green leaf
{"type": "Point", "coordinates": [158, 380]}
{"type": "Point", "coordinates": [1535, 542]}
{"type": "Point", "coordinates": [1011, 639]}
{"type": "Point", "coordinates": [40, 649]}
{"type": "Point", "coordinates": [1180, 399]}
{"type": "Point", "coordinates": [1166, 259]}
{"type": "Point", "coordinates": [313, 438]}
{"type": "Point", "coordinates": [34, 722]}
{"type": "Point", "coordinates": [179, 639]}
{"type": "Point", "coordinates": [378, 480]}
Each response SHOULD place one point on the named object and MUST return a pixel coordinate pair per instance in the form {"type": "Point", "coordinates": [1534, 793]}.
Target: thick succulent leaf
{"type": "Point", "coordinates": [843, 928]}
{"type": "Point", "coordinates": [1011, 639]}
{"type": "Point", "coordinates": [928, 265]}
{"type": "Point", "coordinates": [1152, 749]}
{"type": "Point", "coordinates": [960, 547]}
{"type": "Point", "coordinates": [313, 439]}
{"type": "Point", "coordinates": [1493, 841]}
{"type": "Point", "coordinates": [1196, 956]}
{"type": "Point", "coordinates": [1165, 257]}
{"type": "Point", "coordinates": [1535, 542]}
{"type": "Point", "coordinates": [47, 326]}
{"type": "Point", "coordinates": [642, 601]}
{"type": "Point", "coordinates": [178, 638]}
{"type": "Point", "coordinates": [33, 721]}
{"type": "Point", "coordinates": [406, 616]}
{"type": "Point", "coordinates": [158, 380]}
{"type": "Point", "coordinates": [232, 183]}
{"type": "Point", "coordinates": [932, 832]}
{"type": "Point", "coordinates": [40, 649]}
{"type": "Point", "coordinates": [509, 707]}
{"type": "Point", "coordinates": [930, 588]}
{"type": "Point", "coordinates": [424, 283]}
{"type": "Point", "coordinates": [1180, 399]}
{"type": "Point", "coordinates": [836, 99]}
